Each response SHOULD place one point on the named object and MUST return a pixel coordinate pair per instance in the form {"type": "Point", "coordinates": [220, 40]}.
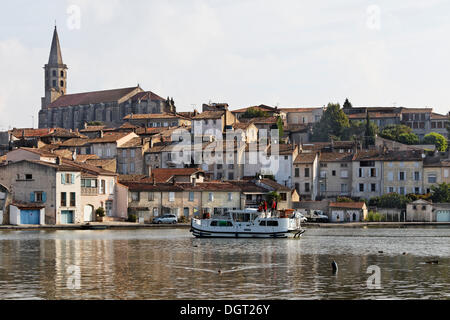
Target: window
{"type": "Point", "coordinates": [62, 73]}
{"type": "Point", "coordinates": [432, 178]}
{"type": "Point", "coordinates": [102, 187]}
{"type": "Point", "coordinates": [297, 172]}
{"type": "Point", "coordinates": [417, 190]}
{"type": "Point", "coordinates": [402, 190]}
{"type": "Point", "coordinates": [171, 196]}
{"type": "Point", "coordinates": [344, 174]}
{"type": "Point", "coordinates": [155, 212]}
{"type": "Point", "coordinates": [272, 223]}
{"type": "Point", "coordinates": [391, 189]}
{"type": "Point", "coordinates": [391, 176]}
{"type": "Point", "coordinates": [132, 167]}
{"type": "Point", "coordinates": [248, 197]}
{"type": "Point", "coordinates": [211, 196]}
{"type": "Point", "coordinates": [344, 165]}
{"type": "Point", "coordinates": [72, 199]}
{"type": "Point", "coordinates": [333, 173]}
{"type": "Point", "coordinates": [63, 199]}
{"type": "Point", "coordinates": [28, 177]}
{"type": "Point", "coordinates": [132, 153]}
{"type": "Point", "coordinates": [445, 173]}
{"type": "Point", "coordinates": [323, 187]}
{"type": "Point", "coordinates": [109, 208]}
{"type": "Point", "coordinates": [124, 153]}
{"type": "Point", "coordinates": [373, 172]}
{"type": "Point", "coordinates": [344, 188]}
{"type": "Point", "coordinates": [361, 172]}
{"type": "Point", "coordinates": [230, 196]}
{"type": "Point", "coordinates": [169, 156]}
{"type": "Point", "coordinates": [417, 176]}
{"type": "Point", "coordinates": [307, 187]}
{"type": "Point", "coordinates": [191, 196]}
{"type": "Point", "coordinates": [61, 83]}
{"type": "Point", "coordinates": [54, 83]}
{"type": "Point", "coordinates": [99, 153]}
{"type": "Point", "coordinates": [401, 176]}
{"type": "Point", "coordinates": [306, 172]}
{"type": "Point", "coordinates": [151, 196]}
{"type": "Point", "coordinates": [231, 176]}
{"type": "Point", "coordinates": [108, 152]}
{"type": "Point", "coordinates": [361, 187]}
{"type": "Point", "coordinates": [283, 196]}
{"type": "Point", "coordinates": [323, 174]}
{"type": "Point", "coordinates": [373, 187]}
{"type": "Point", "coordinates": [323, 165]}
{"type": "Point", "coordinates": [134, 196]}
{"type": "Point", "coordinates": [39, 196]}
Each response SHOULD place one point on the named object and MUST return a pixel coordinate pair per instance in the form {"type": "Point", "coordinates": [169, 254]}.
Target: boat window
{"type": "Point", "coordinates": [213, 223]}
{"type": "Point", "coordinates": [272, 223]}
{"type": "Point", "coordinates": [263, 223]}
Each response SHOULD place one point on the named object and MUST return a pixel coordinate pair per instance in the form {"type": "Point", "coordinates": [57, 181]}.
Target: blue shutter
{"type": "Point", "coordinates": [73, 178]}
{"type": "Point", "coordinates": [63, 178]}
{"type": "Point", "coordinates": [32, 197]}
{"type": "Point", "coordinates": [44, 197]}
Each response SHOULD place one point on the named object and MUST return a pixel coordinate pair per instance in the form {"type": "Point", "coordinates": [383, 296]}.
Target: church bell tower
{"type": "Point", "coordinates": [55, 73]}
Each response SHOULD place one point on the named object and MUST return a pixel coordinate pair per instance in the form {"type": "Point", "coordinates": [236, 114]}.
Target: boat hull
{"type": "Point", "coordinates": [201, 233]}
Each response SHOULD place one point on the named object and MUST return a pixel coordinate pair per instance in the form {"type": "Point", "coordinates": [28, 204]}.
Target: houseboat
{"type": "Point", "coordinates": [248, 223]}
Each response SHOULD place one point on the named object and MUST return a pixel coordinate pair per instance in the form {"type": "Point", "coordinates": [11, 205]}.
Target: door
{"type": "Point", "coordinates": [443, 216]}
{"type": "Point", "coordinates": [30, 217]}
{"type": "Point", "coordinates": [186, 213]}
{"type": "Point", "coordinates": [66, 217]}
{"type": "Point", "coordinates": [88, 213]}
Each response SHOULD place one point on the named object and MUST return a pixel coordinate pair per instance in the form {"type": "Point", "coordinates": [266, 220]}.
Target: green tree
{"type": "Point", "coordinates": [370, 132]}
{"type": "Point", "coordinates": [440, 193]}
{"type": "Point", "coordinates": [280, 127]}
{"type": "Point", "coordinates": [344, 199]}
{"type": "Point", "coordinates": [394, 131]}
{"type": "Point", "coordinates": [95, 123]}
{"type": "Point", "coordinates": [437, 139]}
{"type": "Point", "coordinates": [333, 124]}
{"type": "Point", "coordinates": [390, 200]}
{"type": "Point", "coordinates": [255, 113]}
{"type": "Point", "coordinates": [347, 104]}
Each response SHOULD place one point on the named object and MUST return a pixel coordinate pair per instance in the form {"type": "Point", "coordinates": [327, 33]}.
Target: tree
{"type": "Point", "coordinates": [347, 104]}
{"type": "Point", "coordinates": [333, 124]}
{"type": "Point", "coordinates": [344, 199]}
{"type": "Point", "coordinates": [280, 127]}
{"type": "Point", "coordinates": [395, 131]}
{"type": "Point", "coordinates": [390, 200]}
{"type": "Point", "coordinates": [95, 123]}
{"type": "Point", "coordinates": [440, 193]}
{"type": "Point", "coordinates": [437, 139]}
{"type": "Point", "coordinates": [254, 113]}
{"type": "Point", "coordinates": [370, 132]}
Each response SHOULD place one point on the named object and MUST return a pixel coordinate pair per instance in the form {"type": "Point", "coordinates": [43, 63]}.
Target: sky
{"type": "Point", "coordinates": [285, 53]}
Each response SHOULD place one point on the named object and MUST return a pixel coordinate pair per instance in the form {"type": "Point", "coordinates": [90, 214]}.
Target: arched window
{"type": "Point", "coordinates": [62, 73]}
{"type": "Point", "coordinates": [62, 83]}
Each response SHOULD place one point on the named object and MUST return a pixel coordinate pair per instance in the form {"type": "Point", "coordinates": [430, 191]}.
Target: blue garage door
{"type": "Point", "coordinates": [30, 217]}
{"type": "Point", "coordinates": [66, 217]}
{"type": "Point", "coordinates": [443, 216]}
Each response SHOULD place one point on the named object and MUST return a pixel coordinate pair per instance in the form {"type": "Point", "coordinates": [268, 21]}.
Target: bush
{"type": "Point", "coordinates": [344, 199]}
{"type": "Point", "coordinates": [100, 212]}
{"type": "Point", "coordinates": [375, 217]}
{"type": "Point", "coordinates": [183, 219]}
{"type": "Point", "coordinates": [132, 218]}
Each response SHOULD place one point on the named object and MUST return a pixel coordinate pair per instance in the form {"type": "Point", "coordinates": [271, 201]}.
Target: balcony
{"type": "Point", "coordinates": [89, 191]}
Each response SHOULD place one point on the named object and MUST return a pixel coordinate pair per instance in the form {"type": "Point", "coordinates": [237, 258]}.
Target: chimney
{"type": "Point", "coordinates": [101, 133]}
{"type": "Point", "coordinates": [58, 160]}
{"type": "Point", "coordinates": [74, 155]}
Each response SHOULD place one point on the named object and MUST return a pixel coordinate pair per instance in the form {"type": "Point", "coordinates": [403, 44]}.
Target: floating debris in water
{"type": "Point", "coordinates": [334, 266]}
{"type": "Point", "coordinates": [432, 262]}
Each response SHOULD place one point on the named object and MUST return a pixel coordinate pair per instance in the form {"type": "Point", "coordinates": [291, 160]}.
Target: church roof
{"type": "Point", "coordinates": [55, 57]}
{"type": "Point", "coordinates": [93, 97]}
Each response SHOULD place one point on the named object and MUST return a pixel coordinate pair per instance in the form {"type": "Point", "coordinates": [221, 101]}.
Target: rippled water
{"type": "Point", "coordinates": [171, 264]}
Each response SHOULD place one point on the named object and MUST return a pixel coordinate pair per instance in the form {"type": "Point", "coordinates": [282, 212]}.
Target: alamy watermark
{"type": "Point", "coordinates": [73, 277]}
{"type": "Point", "coordinates": [74, 17]}
{"type": "Point", "coordinates": [373, 21]}
{"type": "Point", "coordinates": [374, 280]}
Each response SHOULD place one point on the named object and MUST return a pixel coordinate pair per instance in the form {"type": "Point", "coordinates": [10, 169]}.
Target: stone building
{"type": "Point", "coordinates": [72, 111]}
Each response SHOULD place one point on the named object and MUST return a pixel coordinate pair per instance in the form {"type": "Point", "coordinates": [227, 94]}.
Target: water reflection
{"type": "Point", "coordinates": [170, 264]}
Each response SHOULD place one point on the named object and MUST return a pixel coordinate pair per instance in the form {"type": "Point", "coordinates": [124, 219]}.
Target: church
{"type": "Point", "coordinates": [72, 111]}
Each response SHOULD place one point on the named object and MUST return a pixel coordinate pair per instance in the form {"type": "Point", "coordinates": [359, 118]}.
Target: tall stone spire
{"type": "Point", "coordinates": [55, 58]}
{"type": "Point", "coordinates": [55, 73]}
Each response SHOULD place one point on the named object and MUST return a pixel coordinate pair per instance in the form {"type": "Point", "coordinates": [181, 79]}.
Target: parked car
{"type": "Point", "coordinates": [317, 216]}
{"type": "Point", "coordinates": [167, 218]}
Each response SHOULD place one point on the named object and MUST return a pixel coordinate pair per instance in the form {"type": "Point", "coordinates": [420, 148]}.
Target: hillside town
{"type": "Point", "coordinates": [128, 155]}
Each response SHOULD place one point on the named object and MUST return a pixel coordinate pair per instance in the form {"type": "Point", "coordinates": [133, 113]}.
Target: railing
{"type": "Point", "coordinates": [89, 191]}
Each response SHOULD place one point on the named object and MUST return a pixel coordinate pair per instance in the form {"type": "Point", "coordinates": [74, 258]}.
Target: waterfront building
{"type": "Point", "coordinates": [347, 211]}
{"type": "Point", "coordinates": [306, 175]}
{"type": "Point", "coordinates": [367, 174]}
{"type": "Point", "coordinates": [335, 174]}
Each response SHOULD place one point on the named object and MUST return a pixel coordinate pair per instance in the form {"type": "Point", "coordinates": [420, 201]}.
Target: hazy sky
{"type": "Point", "coordinates": [288, 53]}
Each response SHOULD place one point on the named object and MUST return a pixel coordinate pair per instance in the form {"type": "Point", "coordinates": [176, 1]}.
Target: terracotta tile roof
{"type": "Point", "coordinates": [214, 186]}
{"type": "Point", "coordinates": [437, 116]}
{"type": "Point", "coordinates": [153, 116]}
{"type": "Point", "coordinates": [86, 157]}
{"type": "Point", "coordinates": [261, 107]}
{"type": "Point", "coordinates": [132, 143]}
{"type": "Point", "coordinates": [43, 153]}
{"type": "Point", "coordinates": [157, 148]}
{"type": "Point", "coordinates": [75, 142]}
{"type": "Point", "coordinates": [306, 158]}
{"type": "Point", "coordinates": [30, 133]}
{"type": "Point", "coordinates": [93, 97]}
{"type": "Point", "coordinates": [64, 133]}
{"type": "Point", "coordinates": [109, 137]}
{"type": "Point", "coordinates": [248, 186]}
{"type": "Point", "coordinates": [241, 125]}
{"type": "Point", "coordinates": [27, 206]}
{"type": "Point", "coordinates": [209, 115]}
{"type": "Point", "coordinates": [87, 168]}
{"type": "Point", "coordinates": [296, 128]}
{"type": "Point", "coordinates": [93, 128]}
{"type": "Point", "coordinates": [274, 185]}
{"type": "Point", "coordinates": [375, 155]}
{"type": "Point", "coordinates": [347, 205]}
{"type": "Point", "coordinates": [165, 175]}
{"type": "Point", "coordinates": [335, 157]}
{"type": "Point", "coordinates": [131, 177]}
{"type": "Point", "coordinates": [417, 110]}
{"type": "Point", "coordinates": [301, 109]}
{"type": "Point", "coordinates": [147, 96]}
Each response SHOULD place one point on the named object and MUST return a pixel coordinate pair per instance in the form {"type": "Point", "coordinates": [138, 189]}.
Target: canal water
{"type": "Point", "coordinates": [171, 264]}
